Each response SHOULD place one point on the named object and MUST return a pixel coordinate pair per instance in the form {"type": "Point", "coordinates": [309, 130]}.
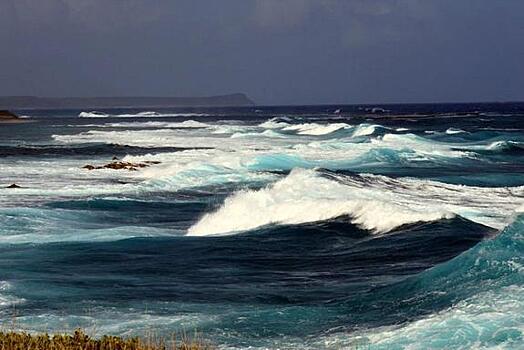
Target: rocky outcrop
{"type": "Point", "coordinates": [6, 115]}
{"type": "Point", "coordinates": [120, 165]}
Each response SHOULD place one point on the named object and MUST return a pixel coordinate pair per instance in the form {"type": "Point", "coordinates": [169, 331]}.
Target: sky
{"type": "Point", "coordinates": [275, 51]}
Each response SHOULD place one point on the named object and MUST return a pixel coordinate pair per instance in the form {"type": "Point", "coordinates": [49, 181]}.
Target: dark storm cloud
{"type": "Point", "coordinates": [277, 51]}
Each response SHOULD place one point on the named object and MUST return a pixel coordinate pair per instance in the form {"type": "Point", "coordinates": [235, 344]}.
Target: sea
{"type": "Point", "coordinates": [290, 227]}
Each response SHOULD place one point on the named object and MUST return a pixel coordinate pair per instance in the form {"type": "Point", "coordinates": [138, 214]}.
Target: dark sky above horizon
{"type": "Point", "coordinates": [276, 51]}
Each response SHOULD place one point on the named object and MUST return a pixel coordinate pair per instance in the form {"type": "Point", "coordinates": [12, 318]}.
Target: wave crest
{"type": "Point", "coordinates": [375, 203]}
{"type": "Point", "coordinates": [305, 197]}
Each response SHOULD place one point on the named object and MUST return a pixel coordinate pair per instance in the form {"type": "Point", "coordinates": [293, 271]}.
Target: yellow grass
{"type": "Point", "coordinates": [81, 341]}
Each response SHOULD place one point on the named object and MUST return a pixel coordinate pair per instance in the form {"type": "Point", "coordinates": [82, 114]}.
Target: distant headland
{"type": "Point", "coordinates": [34, 102]}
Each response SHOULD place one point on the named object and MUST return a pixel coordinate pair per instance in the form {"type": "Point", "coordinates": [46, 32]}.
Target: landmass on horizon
{"type": "Point", "coordinates": [35, 102]}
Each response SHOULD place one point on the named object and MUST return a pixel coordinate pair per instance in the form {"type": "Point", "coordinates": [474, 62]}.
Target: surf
{"type": "Point", "coordinates": [376, 203]}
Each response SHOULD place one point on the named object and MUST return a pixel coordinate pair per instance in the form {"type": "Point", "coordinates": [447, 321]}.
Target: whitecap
{"type": "Point", "coordinates": [185, 124]}
{"type": "Point", "coordinates": [93, 114]}
{"type": "Point", "coordinates": [453, 131]}
{"type": "Point", "coordinates": [315, 129]}
{"type": "Point", "coordinates": [147, 114]}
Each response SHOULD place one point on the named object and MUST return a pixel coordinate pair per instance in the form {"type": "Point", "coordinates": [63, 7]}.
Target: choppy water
{"type": "Point", "coordinates": [275, 227]}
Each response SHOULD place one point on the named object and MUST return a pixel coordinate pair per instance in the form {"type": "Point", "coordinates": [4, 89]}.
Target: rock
{"type": "Point", "coordinates": [118, 165]}
{"type": "Point", "coordinates": [8, 117]}
{"type": "Point", "coordinates": [14, 186]}
{"type": "Point", "coordinates": [123, 165]}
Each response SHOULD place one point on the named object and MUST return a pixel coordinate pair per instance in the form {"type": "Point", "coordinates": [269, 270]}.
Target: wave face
{"type": "Point", "coordinates": [388, 227]}
{"type": "Point", "coordinates": [483, 290]}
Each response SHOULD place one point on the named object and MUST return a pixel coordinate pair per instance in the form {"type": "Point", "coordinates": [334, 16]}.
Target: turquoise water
{"type": "Point", "coordinates": [280, 227]}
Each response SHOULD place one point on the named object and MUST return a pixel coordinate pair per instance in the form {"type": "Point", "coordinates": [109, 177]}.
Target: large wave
{"type": "Point", "coordinates": [375, 203]}
{"type": "Point", "coordinates": [484, 290]}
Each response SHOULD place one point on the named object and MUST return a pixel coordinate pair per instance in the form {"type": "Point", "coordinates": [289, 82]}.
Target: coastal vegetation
{"type": "Point", "coordinates": [79, 340]}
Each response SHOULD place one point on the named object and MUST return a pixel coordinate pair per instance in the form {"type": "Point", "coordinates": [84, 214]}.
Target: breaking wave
{"type": "Point", "coordinates": [375, 203]}
{"type": "Point", "coordinates": [317, 129]}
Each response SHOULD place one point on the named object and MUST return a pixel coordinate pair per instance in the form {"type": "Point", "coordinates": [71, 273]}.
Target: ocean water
{"type": "Point", "coordinates": [307, 227]}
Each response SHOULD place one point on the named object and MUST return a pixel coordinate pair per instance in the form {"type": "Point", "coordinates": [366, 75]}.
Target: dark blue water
{"type": "Point", "coordinates": [269, 227]}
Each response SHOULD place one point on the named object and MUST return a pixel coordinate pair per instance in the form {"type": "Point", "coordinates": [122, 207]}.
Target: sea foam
{"type": "Point", "coordinates": [148, 114]}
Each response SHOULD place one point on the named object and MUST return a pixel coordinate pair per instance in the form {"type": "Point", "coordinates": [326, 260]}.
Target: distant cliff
{"type": "Point", "coordinates": [31, 102]}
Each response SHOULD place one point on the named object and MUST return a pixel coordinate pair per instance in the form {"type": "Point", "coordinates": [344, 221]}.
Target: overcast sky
{"type": "Point", "coordinates": [276, 51]}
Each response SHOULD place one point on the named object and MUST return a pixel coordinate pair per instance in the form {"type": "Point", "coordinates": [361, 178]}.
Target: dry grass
{"type": "Point", "coordinates": [81, 341]}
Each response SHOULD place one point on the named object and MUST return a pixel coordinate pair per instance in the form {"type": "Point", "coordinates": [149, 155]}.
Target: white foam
{"type": "Point", "coordinates": [265, 133]}
{"type": "Point", "coordinates": [239, 138]}
{"type": "Point", "coordinates": [315, 129]}
{"type": "Point", "coordinates": [236, 156]}
{"type": "Point", "coordinates": [93, 114]}
{"type": "Point", "coordinates": [453, 131]}
{"type": "Point", "coordinates": [148, 114]}
{"type": "Point", "coordinates": [419, 144]}
{"type": "Point", "coordinates": [7, 300]}
{"type": "Point", "coordinates": [311, 129]}
{"type": "Point", "coordinates": [185, 124]}
{"type": "Point", "coordinates": [375, 203]}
